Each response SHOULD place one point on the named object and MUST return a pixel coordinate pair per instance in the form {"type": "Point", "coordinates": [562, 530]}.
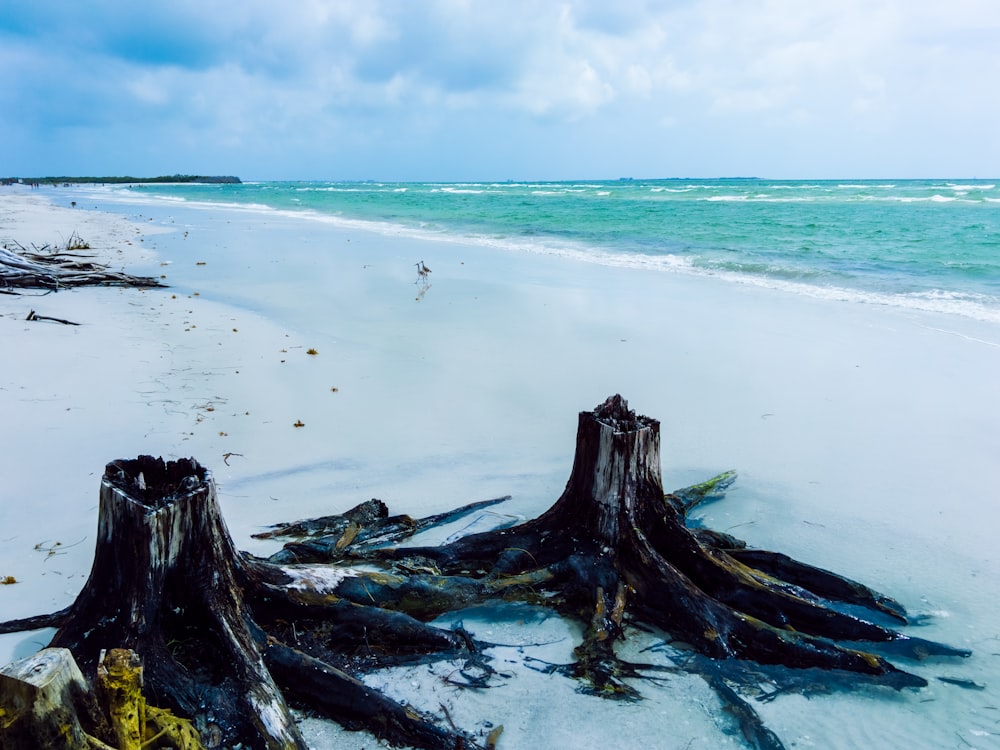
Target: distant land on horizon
{"type": "Point", "coordinates": [118, 180]}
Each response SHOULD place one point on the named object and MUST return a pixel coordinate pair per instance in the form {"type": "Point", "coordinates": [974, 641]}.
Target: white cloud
{"type": "Point", "coordinates": [267, 79]}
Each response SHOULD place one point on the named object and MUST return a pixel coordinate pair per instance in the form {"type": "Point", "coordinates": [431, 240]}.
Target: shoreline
{"type": "Point", "coordinates": [862, 435]}
{"type": "Point", "coordinates": [916, 294]}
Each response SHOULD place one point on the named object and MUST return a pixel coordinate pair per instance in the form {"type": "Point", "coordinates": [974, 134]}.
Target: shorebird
{"type": "Point", "coordinates": [422, 270]}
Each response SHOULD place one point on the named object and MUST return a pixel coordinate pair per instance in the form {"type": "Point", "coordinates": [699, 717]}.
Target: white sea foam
{"type": "Point", "coordinates": [758, 198]}
{"type": "Point", "coordinates": [329, 189]}
{"type": "Point", "coordinates": [966, 305]}
{"type": "Point", "coordinates": [936, 198]}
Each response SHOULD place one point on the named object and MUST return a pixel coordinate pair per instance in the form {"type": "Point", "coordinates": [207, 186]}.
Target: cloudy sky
{"type": "Point", "coordinates": [500, 89]}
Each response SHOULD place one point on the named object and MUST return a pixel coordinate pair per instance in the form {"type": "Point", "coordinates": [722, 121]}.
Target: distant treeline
{"type": "Point", "coordinates": [227, 180]}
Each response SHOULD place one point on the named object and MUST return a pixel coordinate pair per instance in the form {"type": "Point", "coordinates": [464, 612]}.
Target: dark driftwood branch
{"type": "Point", "coordinates": [32, 315]}
{"type": "Point", "coordinates": [227, 637]}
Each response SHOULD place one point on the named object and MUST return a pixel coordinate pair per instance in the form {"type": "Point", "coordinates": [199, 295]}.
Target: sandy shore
{"type": "Point", "coordinates": [865, 437]}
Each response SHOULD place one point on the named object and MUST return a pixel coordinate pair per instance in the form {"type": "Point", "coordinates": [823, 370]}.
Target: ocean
{"type": "Point", "coordinates": [930, 245]}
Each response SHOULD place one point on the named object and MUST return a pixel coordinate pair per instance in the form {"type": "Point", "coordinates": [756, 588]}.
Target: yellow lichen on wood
{"type": "Point", "coordinates": [493, 737]}
{"type": "Point", "coordinates": [164, 730]}
{"type": "Point", "coordinates": [119, 685]}
{"type": "Point", "coordinates": [352, 530]}
{"type": "Point", "coordinates": [618, 612]}
{"type": "Point", "coordinates": [136, 725]}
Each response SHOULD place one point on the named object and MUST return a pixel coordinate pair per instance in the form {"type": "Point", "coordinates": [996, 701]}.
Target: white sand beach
{"type": "Point", "coordinates": [866, 438]}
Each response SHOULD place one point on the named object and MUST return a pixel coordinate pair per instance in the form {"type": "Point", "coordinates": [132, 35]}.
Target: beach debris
{"type": "Point", "coordinates": [7, 580]}
{"type": "Point", "coordinates": [76, 242]}
{"type": "Point", "coordinates": [493, 737]}
{"type": "Point", "coordinates": [299, 423]}
{"type": "Point", "coordinates": [312, 352]}
{"type": "Point", "coordinates": [346, 597]}
{"type": "Point", "coordinates": [962, 683]}
{"type": "Point", "coordinates": [32, 315]}
{"type": "Point", "coordinates": [60, 268]}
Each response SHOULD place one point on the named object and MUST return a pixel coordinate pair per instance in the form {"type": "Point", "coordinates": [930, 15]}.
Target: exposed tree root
{"type": "Point", "coordinates": [227, 637]}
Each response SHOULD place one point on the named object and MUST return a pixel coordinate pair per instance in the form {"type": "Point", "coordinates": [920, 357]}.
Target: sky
{"type": "Point", "coordinates": [463, 90]}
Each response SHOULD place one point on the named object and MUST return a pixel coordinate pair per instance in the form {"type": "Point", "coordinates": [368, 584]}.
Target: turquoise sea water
{"type": "Point", "coordinates": [924, 244]}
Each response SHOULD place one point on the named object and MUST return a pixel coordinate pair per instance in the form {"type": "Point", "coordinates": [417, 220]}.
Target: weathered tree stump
{"type": "Point", "coordinates": [218, 632]}
{"type": "Point", "coordinates": [46, 702]}
{"type": "Point", "coordinates": [614, 543]}
{"type": "Point", "coordinates": [168, 583]}
{"type": "Point", "coordinates": [164, 584]}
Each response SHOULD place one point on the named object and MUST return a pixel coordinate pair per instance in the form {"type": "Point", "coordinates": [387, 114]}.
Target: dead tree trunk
{"type": "Point", "coordinates": [614, 543]}
{"type": "Point", "coordinates": [168, 583]}
{"type": "Point", "coordinates": [164, 584]}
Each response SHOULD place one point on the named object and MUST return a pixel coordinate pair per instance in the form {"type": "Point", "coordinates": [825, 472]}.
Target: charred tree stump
{"type": "Point", "coordinates": [168, 584]}
{"type": "Point", "coordinates": [219, 632]}
{"type": "Point", "coordinates": [164, 584]}
{"type": "Point", "coordinates": [612, 547]}
{"type": "Point", "coordinates": [613, 543]}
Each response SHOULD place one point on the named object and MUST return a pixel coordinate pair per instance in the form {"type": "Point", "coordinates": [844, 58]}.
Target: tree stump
{"type": "Point", "coordinates": [614, 543]}
{"type": "Point", "coordinates": [218, 632]}
{"type": "Point", "coordinates": [43, 699]}
{"type": "Point", "coordinates": [168, 583]}
{"type": "Point", "coordinates": [164, 584]}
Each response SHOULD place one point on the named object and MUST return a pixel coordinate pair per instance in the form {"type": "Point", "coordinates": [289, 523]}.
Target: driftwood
{"type": "Point", "coordinates": [61, 268]}
{"type": "Point", "coordinates": [227, 638]}
{"type": "Point", "coordinates": [32, 315]}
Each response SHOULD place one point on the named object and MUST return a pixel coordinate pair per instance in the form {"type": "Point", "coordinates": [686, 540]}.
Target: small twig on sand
{"type": "Point", "coordinates": [34, 316]}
